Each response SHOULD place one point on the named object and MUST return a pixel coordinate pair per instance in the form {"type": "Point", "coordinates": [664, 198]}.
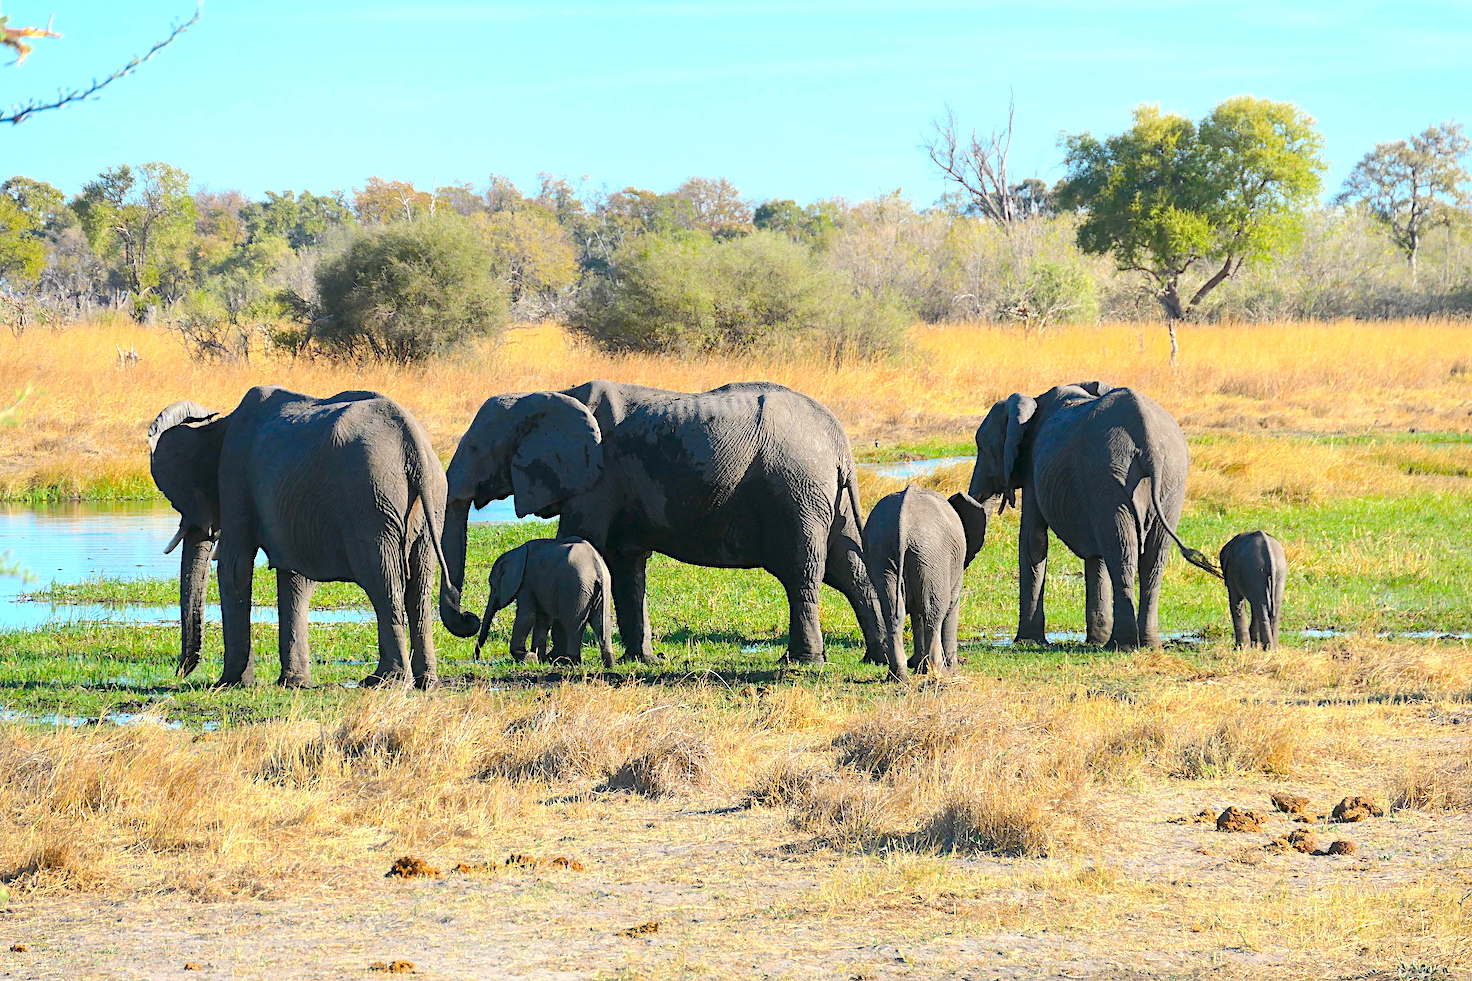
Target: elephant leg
{"type": "Point", "coordinates": [1121, 558]}
{"type": "Point", "coordinates": [419, 603]}
{"type": "Point", "coordinates": [628, 571]}
{"type": "Point", "coordinates": [1098, 615]}
{"type": "Point", "coordinates": [293, 601]}
{"type": "Point", "coordinates": [1237, 603]}
{"type": "Point", "coordinates": [891, 616]}
{"type": "Point", "coordinates": [1032, 573]}
{"type": "Point", "coordinates": [562, 652]}
{"type": "Point", "coordinates": [1257, 628]}
{"type": "Point", "coordinates": [1152, 574]}
{"type": "Point", "coordinates": [800, 576]}
{"type": "Point", "coordinates": [949, 645]}
{"type": "Point", "coordinates": [846, 572]}
{"type": "Point", "coordinates": [235, 568]}
{"type": "Point", "coordinates": [521, 629]}
{"type": "Point", "coordinates": [385, 588]}
{"type": "Point", "coordinates": [541, 628]}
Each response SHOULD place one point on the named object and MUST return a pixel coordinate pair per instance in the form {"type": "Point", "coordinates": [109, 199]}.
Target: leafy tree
{"type": "Point", "coordinates": [305, 221]}
{"type": "Point", "coordinates": [716, 206]}
{"type": "Point", "coordinates": [812, 224]}
{"type": "Point", "coordinates": [530, 250]}
{"type": "Point", "coordinates": [459, 198]}
{"type": "Point", "coordinates": [380, 201]}
{"type": "Point", "coordinates": [406, 290]}
{"type": "Point", "coordinates": [687, 293]}
{"type": "Point", "coordinates": [143, 220]}
{"type": "Point", "coordinates": [43, 202]}
{"type": "Point", "coordinates": [22, 250]}
{"type": "Point", "coordinates": [1412, 186]}
{"type": "Point", "coordinates": [1169, 197]}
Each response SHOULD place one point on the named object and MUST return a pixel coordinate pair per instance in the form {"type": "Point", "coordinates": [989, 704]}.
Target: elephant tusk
{"type": "Point", "coordinates": [174, 542]}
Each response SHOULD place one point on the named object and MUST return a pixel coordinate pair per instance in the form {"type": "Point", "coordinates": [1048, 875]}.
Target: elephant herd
{"type": "Point", "coordinates": [749, 475]}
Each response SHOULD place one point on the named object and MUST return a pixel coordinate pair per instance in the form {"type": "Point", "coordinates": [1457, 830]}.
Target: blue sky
{"type": "Point", "coordinates": [802, 99]}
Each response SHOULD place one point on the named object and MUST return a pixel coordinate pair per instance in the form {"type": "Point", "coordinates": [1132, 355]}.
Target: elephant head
{"type": "Point", "coordinates": [973, 521]}
{"type": "Point", "coordinates": [505, 582]}
{"type": "Point", "coordinates": [184, 457]}
{"type": "Point", "coordinates": [542, 447]}
{"type": "Point", "coordinates": [999, 444]}
{"type": "Point", "coordinates": [1003, 438]}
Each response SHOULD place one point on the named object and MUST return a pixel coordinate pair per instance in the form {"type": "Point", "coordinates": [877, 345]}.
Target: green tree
{"type": "Point", "coordinates": [1412, 186]}
{"type": "Point", "coordinates": [1170, 199]}
{"type": "Point", "coordinates": [812, 224]}
{"type": "Point", "coordinates": [716, 206]}
{"type": "Point", "coordinates": [530, 251]}
{"type": "Point", "coordinates": [144, 221]}
{"type": "Point", "coordinates": [380, 201]}
{"type": "Point", "coordinates": [406, 290]}
{"type": "Point", "coordinates": [304, 221]}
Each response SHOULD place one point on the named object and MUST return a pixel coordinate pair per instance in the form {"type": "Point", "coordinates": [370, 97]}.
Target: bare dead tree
{"type": "Point", "coordinates": [978, 166]}
{"type": "Point", "coordinates": [20, 113]}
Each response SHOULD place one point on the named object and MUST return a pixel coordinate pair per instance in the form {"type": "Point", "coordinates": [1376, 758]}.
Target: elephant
{"type": "Point", "coordinates": [341, 489]}
{"type": "Point", "coordinates": [1104, 468]}
{"type": "Point", "coordinates": [1254, 567]}
{"type": "Point", "coordinates": [750, 475]}
{"type": "Point", "coordinates": [917, 544]}
{"type": "Point", "coordinates": [559, 583]}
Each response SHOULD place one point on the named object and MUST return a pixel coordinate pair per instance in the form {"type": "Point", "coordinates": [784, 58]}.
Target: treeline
{"type": "Point", "coordinates": [396, 272]}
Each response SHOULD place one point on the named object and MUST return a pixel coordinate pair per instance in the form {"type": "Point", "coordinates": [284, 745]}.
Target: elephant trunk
{"type": "Point", "coordinates": [457, 521]}
{"type": "Point", "coordinates": [194, 569]}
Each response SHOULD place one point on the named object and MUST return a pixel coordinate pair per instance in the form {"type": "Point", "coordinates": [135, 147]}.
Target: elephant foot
{"type": "Point", "coordinates": [375, 680]}
{"type": "Point", "coordinates": [1038, 641]}
{"type": "Point", "coordinates": [806, 657]}
{"type": "Point", "coordinates": [641, 658]}
{"type": "Point", "coordinates": [1121, 645]}
{"type": "Point", "coordinates": [294, 682]}
{"type": "Point", "coordinates": [875, 655]}
{"type": "Point", "coordinates": [427, 682]}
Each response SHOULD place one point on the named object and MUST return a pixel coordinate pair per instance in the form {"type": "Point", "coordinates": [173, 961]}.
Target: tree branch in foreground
{"type": "Point", "coordinates": [20, 113]}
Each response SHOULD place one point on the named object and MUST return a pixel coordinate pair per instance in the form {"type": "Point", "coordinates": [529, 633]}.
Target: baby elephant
{"type": "Point", "coordinates": [560, 584]}
{"type": "Point", "coordinates": [1254, 567]}
{"type": "Point", "coordinates": [917, 545]}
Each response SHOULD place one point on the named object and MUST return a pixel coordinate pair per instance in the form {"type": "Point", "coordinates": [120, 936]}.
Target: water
{"type": "Point", "coordinates": [910, 469]}
{"type": "Point", "coordinates": [72, 543]}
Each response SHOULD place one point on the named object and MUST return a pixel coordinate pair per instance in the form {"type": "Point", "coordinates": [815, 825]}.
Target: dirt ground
{"type": "Point", "coordinates": [735, 892]}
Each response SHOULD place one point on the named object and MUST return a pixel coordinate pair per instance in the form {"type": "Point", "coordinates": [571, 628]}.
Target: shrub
{"type": "Point", "coordinates": [689, 294]}
{"type": "Point", "coordinates": [405, 291]}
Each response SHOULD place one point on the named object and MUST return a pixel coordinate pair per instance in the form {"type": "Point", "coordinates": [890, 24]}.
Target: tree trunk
{"type": "Point", "coordinates": [1170, 325]}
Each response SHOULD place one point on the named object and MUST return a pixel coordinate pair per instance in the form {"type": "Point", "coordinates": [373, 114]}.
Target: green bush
{"type": "Point", "coordinates": [689, 294]}
{"type": "Point", "coordinates": [404, 291]}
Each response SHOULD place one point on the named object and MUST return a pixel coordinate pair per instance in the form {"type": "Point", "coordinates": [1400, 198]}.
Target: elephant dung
{"type": "Point", "coordinates": [1289, 803]}
{"type": "Point", "coordinates": [1236, 819]}
{"type": "Point", "coordinates": [1341, 846]}
{"type": "Point", "coordinates": [643, 929]}
{"type": "Point", "coordinates": [18, 948]}
{"type": "Point", "coordinates": [393, 967]}
{"type": "Point", "coordinates": [1205, 816]}
{"type": "Point", "coordinates": [1302, 840]}
{"type": "Point", "coordinates": [1357, 809]}
{"type": "Point", "coordinates": [408, 867]}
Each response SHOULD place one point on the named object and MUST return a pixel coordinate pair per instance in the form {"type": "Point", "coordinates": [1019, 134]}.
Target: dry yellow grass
{"type": "Point", "coordinates": [84, 419]}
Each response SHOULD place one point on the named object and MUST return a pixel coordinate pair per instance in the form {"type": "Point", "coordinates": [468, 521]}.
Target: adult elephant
{"type": "Point", "coordinates": [750, 475]}
{"type": "Point", "coordinates": [1105, 469]}
{"type": "Point", "coordinates": [342, 489]}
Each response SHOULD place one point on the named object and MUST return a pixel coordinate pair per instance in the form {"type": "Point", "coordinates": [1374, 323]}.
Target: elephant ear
{"type": "Point", "coordinates": [1020, 410]}
{"type": "Point", "coordinates": [973, 521]}
{"type": "Point", "coordinates": [1097, 389]}
{"type": "Point", "coordinates": [179, 412]}
{"type": "Point", "coordinates": [561, 456]}
{"type": "Point", "coordinates": [506, 579]}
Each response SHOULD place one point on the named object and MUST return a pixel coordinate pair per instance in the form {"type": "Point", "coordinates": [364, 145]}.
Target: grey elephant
{"type": "Point", "coordinates": [918, 544]}
{"type": "Point", "coordinates": [558, 584]}
{"type": "Point", "coordinates": [341, 489]}
{"type": "Point", "coordinates": [750, 475]}
{"type": "Point", "coordinates": [1255, 568]}
{"type": "Point", "coordinates": [1104, 469]}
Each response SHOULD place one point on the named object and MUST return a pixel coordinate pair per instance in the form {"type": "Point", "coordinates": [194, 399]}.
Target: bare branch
{"type": "Point", "coordinates": [980, 168]}
{"type": "Point", "coordinates": [19, 114]}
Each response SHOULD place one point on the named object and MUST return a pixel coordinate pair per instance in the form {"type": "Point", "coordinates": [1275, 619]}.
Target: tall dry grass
{"type": "Point", "coordinates": [84, 419]}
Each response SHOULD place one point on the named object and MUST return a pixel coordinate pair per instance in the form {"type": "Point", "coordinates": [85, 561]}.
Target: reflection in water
{"type": "Point", "coordinates": [71, 543]}
{"type": "Point", "coordinates": [909, 469]}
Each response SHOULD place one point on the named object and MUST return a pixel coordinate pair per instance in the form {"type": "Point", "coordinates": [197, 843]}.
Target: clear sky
{"type": "Point", "coordinates": [802, 99]}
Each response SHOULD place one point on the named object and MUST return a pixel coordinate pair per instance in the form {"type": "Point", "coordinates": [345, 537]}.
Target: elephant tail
{"type": "Point", "coordinates": [600, 616]}
{"type": "Point", "coordinates": [434, 517]}
{"type": "Point", "coordinates": [1191, 555]}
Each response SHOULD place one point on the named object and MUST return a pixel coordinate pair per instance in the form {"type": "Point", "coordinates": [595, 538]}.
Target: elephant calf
{"type": "Point", "coordinates": [1254, 567]}
{"type": "Point", "coordinates": [917, 545]}
{"type": "Point", "coordinates": [556, 583]}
